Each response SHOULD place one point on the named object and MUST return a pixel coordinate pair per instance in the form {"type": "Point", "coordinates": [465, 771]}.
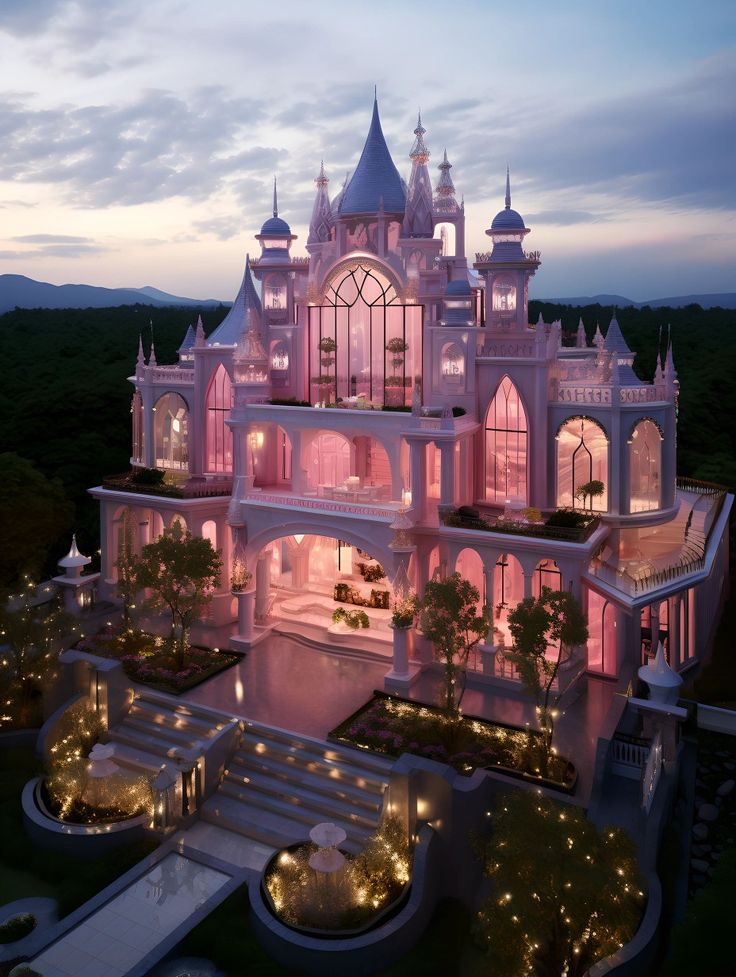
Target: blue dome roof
{"type": "Point", "coordinates": [458, 287]}
{"type": "Point", "coordinates": [508, 220]}
{"type": "Point", "coordinates": [275, 227]}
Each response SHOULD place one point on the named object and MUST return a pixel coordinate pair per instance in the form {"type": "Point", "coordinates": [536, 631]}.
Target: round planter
{"type": "Point", "coordinates": [82, 840]}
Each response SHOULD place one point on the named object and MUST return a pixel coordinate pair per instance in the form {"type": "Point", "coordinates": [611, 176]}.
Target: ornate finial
{"type": "Point", "coordinates": [141, 360]}
{"type": "Point", "coordinates": [375, 93]}
{"type": "Point", "coordinates": [508, 188]}
{"type": "Point", "coordinates": [322, 180]}
{"type": "Point", "coordinates": [275, 200]}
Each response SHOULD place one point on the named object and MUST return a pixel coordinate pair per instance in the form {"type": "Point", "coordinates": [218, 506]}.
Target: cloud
{"type": "Point", "coordinates": [24, 18]}
{"type": "Point", "coordinates": [672, 145]}
{"type": "Point", "coordinates": [222, 228]}
{"type": "Point", "coordinates": [51, 239]}
{"type": "Point", "coordinates": [54, 251]}
{"type": "Point", "coordinates": [564, 218]}
{"type": "Point", "coordinates": [8, 204]}
{"type": "Point", "coordinates": [159, 146]}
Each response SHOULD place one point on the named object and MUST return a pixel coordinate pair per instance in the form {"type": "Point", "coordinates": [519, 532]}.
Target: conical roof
{"type": "Point", "coordinates": [615, 341]}
{"type": "Point", "coordinates": [233, 325]}
{"type": "Point", "coordinates": [376, 183]}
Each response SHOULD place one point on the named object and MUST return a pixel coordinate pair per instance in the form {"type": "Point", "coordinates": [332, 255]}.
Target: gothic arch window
{"type": "Point", "coordinates": [170, 432]}
{"type": "Point", "coordinates": [274, 293]}
{"type": "Point", "coordinates": [279, 355]}
{"type": "Point", "coordinates": [362, 340]}
{"type": "Point", "coordinates": [582, 457]}
{"type": "Point", "coordinates": [506, 446]}
{"type": "Point", "coordinates": [219, 437]}
{"type": "Point", "coordinates": [645, 467]}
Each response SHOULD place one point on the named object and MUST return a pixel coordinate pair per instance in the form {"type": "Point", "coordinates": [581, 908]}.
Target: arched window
{"type": "Point", "coordinates": [363, 340]}
{"type": "Point", "coordinates": [219, 437]}
{"type": "Point", "coordinates": [328, 462]}
{"type": "Point", "coordinates": [645, 467]}
{"type": "Point", "coordinates": [546, 574]}
{"type": "Point", "coordinates": [279, 356]}
{"type": "Point", "coordinates": [602, 637]}
{"type": "Point", "coordinates": [136, 412]}
{"type": "Point", "coordinates": [170, 432]}
{"type": "Point", "coordinates": [274, 293]}
{"type": "Point", "coordinates": [582, 457]}
{"type": "Point", "coordinates": [504, 295]}
{"type": "Point", "coordinates": [506, 446]}
{"type": "Point", "coordinates": [452, 362]}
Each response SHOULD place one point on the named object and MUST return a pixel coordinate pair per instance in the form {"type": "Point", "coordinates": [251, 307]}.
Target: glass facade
{"type": "Point", "coordinates": [506, 454]}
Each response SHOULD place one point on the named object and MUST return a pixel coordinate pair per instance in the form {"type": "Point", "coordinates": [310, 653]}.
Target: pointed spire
{"type": "Point", "coordinates": [321, 222]}
{"type": "Point", "coordinates": [669, 363]}
{"type": "Point", "coordinates": [374, 175]}
{"type": "Point", "coordinates": [199, 337]}
{"type": "Point", "coordinates": [581, 340]}
{"type": "Point", "coordinates": [598, 340]}
{"type": "Point", "coordinates": [275, 200]}
{"type": "Point", "coordinates": [615, 341]}
{"type": "Point", "coordinates": [418, 220]}
{"type": "Point", "coordinates": [187, 342]}
{"type": "Point", "coordinates": [508, 188]}
{"type": "Point", "coordinates": [245, 312]}
{"type": "Point", "coordinates": [141, 360]}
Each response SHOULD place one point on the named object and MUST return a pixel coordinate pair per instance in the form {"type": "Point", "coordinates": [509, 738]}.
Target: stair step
{"type": "Point", "coordinates": [163, 716]}
{"type": "Point", "coordinates": [143, 725]}
{"type": "Point", "coordinates": [366, 761]}
{"type": "Point", "coordinates": [270, 829]}
{"type": "Point", "coordinates": [253, 766]}
{"type": "Point", "coordinates": [297, 803]}
{"type": "Point", "coordinates": [291, 756]}
{"type": "Point", "coordinates": [212, 717]}
{"type": "Point", "coordinates": [135, 759]}
{"type": "Point", "coordinates": [158, 745]}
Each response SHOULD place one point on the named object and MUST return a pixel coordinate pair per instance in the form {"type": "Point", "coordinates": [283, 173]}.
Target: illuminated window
{"type": "Point", "coordinates": [645, 466]}
{"type": "Point", "coordinates": [279, 356]}
{"type": "Point", "coordinates": [504, 295]}
{"type": "Point", "coordinates": [170, 432]}
{"type": "Point", "coordinates": [582, 457]}
{"type": "Point", "coordinates": [453, 361]}
{"type": "Point", "coordinates": [219, 437]}
{"type": "Point", "coordinates": [506, 446]}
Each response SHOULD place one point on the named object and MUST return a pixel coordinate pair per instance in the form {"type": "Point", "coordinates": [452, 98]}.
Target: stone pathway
{"type": "Point", "coordinates": [714, 821]}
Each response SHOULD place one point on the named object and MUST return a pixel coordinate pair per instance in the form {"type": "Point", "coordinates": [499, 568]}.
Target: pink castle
{"type": "Point", "coordinates": [386, 401]}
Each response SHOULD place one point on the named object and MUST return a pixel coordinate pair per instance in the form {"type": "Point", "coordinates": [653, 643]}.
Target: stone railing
{"type": "Point", "coordinates": [324, 505]}
{"type": "Point", "coordinates": [601, 393]}
{"type": "Point", "coordinates": [170, 374]}
{"type": "Point", "coordinates": [564, 534]}
{"type": "Point", "coordinates": [190, 489]}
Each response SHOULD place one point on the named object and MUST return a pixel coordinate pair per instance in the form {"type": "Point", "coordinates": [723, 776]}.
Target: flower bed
{"type": "Point", "coordinates": [147, 659]}
{"type": "Point", "coordinates": [392, 725]}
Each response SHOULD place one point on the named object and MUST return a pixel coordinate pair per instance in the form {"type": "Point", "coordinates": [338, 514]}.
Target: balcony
{"type": "Point", "coordinates": [515, 527]}
{"type": "Point", "coordinates": [172, 487]}
{"type": "Point", "coordinates": [335, 500]}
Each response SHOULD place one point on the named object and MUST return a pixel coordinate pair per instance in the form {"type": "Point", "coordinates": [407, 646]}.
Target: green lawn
{"type": "Point", "coordinates": [30, 871]}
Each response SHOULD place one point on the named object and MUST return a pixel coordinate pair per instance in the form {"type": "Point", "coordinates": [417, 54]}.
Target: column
{"type": "Point", "coordinates": [654, 626]}
{"type": "Point", "coordinates": [489, 572]}
{"type": "Point", "coordinates": [263, 580]}
{"type": "Point", "coordinates": [246, 614]}
{"type": "Point", "coordinates": [673, 629]}
{"type": "Point", "coordinates": [447, 473]}
{"type": "Point", "coordinates": [401, 651]}
{"type": "Point", "coordinates": [418, 470]}
{"type": "Point", "coordinates": [149, 459]}
{"type": "Point", "coordinates": [528, 578]}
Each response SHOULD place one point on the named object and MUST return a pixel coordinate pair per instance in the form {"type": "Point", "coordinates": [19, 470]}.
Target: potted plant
{"type": "Point", "coordinates": [240, 577]}
{"type": "Point", "coordinates": [397, 347]}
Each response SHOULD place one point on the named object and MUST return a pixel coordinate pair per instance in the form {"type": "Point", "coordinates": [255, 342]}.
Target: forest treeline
{"type": "Point", "coordinates": [65, 399]}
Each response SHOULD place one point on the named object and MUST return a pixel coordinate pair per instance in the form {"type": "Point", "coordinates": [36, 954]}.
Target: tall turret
{"type": "Point", "coordinates": [418, 217]}
{"type": "Point", "coordinates": [375, 185]}
{"type": "Point", "coordinates": [320, 225]}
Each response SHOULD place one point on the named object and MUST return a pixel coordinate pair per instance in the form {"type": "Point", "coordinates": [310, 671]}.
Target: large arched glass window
{"type": "Point", "coordinates": [645, 467]}
{"type": "Point", "coordinates": [170, 432]}
{"type": "Point", "coordinates": [362, 340]}
{"type": "Point", "coordinates": [504, 295]}
{"type": "Point", "coordinates": [582, 457]}
{"type": "Point", "coordinates": [507, 456]}
{"type": "Point", "coordinates": [219, 437]}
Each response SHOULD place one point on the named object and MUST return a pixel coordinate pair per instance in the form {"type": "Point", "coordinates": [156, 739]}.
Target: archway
{"type": "Point", "coordinates": [219, 437]}
{"type": "Point", "coordinates": [645, 467]}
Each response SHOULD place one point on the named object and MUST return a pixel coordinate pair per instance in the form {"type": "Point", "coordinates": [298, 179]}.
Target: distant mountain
{"type": "Point", "coordinates": [723, 300]}
{"type": "Point", "coordinates": [17, 291]}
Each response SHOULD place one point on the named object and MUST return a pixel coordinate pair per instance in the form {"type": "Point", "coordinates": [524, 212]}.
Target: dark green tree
{"type": "Point", "coordinates": [34, 513]}
{"type": "Point", "coordinates": [181, 571]}
{"type": "Point", "coordinates": [564, 894]}
{"type": "Point", "coordinates": [449, 617]}
{"type": "Point", "coordinates": [553, 622]}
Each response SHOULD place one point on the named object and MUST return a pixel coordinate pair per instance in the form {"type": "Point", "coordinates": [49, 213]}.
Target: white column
{"type": "Point", "coordinates": [246, 614]}
{"type": "Point", "coordinates": [418, 469]}
{"type": "Point", "coordinates": [263, 577]}
{"type": "Point", "coordinates": [401, 651]}
{"type": "Point", "coordinates": [447, 473]}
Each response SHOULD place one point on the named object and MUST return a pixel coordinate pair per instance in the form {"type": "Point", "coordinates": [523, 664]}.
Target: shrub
{"type": "Point", "coordinates": [147, 476]}
{"type": "Point", "coordinates": [17, 927]}
{"type": "Point", "coordinates": [567, 518]}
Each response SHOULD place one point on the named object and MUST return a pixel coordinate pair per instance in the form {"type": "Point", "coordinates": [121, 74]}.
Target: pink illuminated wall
{"type": "Point", "coordinates": [506, 451]}
{"type": "Point", "coordinates": [327, 460]}
{"type": "Point", "coordinates": [602, 636]}
{"type": "Point", "coordinates": [219, 437]}
{"type": "Point", "coordinates": [170, 432]}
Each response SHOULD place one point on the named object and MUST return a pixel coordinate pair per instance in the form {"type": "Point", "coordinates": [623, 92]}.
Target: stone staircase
{"type": "Point", "coordinates": [280, 785]}
{"type": "Point", "coordinates": [156, 726]}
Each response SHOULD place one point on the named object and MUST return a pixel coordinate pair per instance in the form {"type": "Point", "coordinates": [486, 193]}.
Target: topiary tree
{"type": "Point", "coordinates": [564, 894]}
{"type": "Point", "coordinates": [181, 571]}
{"type": "Point", "coordinates": [449, 618]}
{"type": "Point", "coordinates": [126, 565]}
{"type": "Point", "coordinates": [590, 490]}
{"type": "Point", "coordinates": [555, 618]}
